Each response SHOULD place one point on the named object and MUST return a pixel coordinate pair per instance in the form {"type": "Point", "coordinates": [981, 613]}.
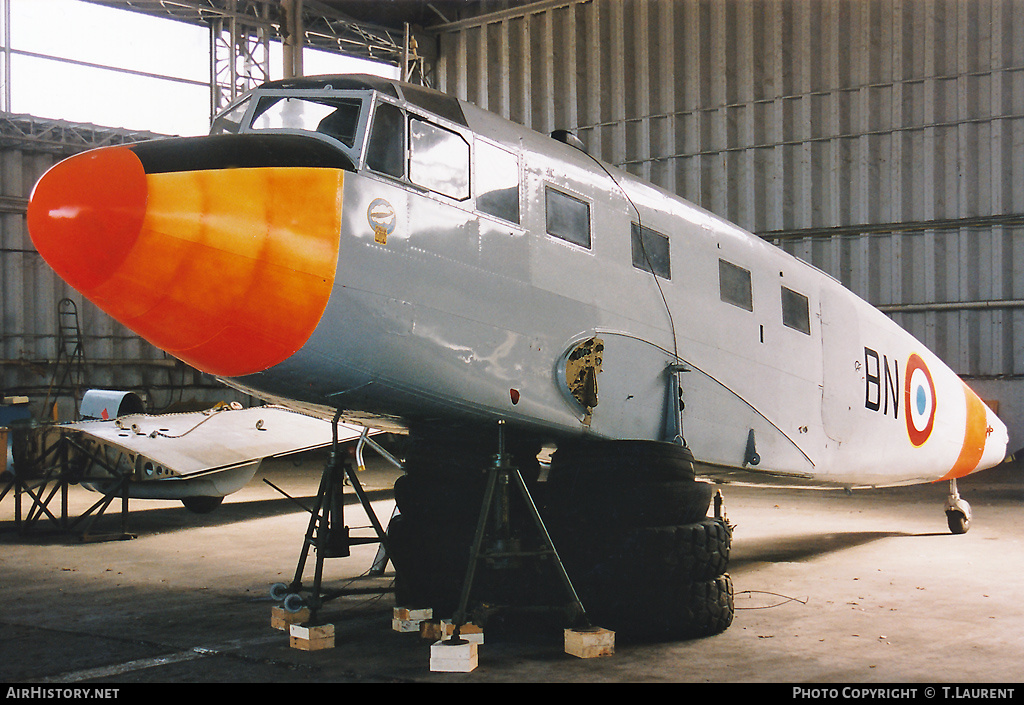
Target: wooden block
{"type": "Point", "coordinates": [589, 643]}
{"type": "Point", "coordinates": [311, 638]}
{"type": "Point", "coordinates": [406, 625]}
{"type": "Point", "coordinates": [404, 613]}
{"type": "Point", "coordinates": [454, 658]}
{"type": "Point", "coordinates": [408, 620]}
{"type": "Point", "coordinates": [282, 619]}
{"type": "Point", "coordinates": [468, 631]}
{"type": "Point", "coordinates": [430, 629]}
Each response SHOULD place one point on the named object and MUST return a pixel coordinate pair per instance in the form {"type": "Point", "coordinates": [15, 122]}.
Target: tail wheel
{"type": "Point", "coordinates": [957, 521]}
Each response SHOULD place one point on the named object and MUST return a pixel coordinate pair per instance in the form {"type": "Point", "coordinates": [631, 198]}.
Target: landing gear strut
{"type": "Point", "coordinates": [958, 511]}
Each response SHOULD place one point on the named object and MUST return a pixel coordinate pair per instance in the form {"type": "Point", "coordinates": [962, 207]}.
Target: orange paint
{"type": "Point", "coordinates": [229, 270]}
{"type": "Point", "coordinates": [975, 436]}
{"type": "Point", "coordinates": [85, 213]}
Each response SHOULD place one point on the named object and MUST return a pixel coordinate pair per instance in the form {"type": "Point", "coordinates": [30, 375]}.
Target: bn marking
{"type": "Point", "coordinates": [881, 383]}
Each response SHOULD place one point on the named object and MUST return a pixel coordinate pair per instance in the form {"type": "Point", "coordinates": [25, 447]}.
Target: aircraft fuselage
{"type": "Point", "coordinates": [420, 258]}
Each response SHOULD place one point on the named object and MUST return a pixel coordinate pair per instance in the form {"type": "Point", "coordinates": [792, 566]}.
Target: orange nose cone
{"type": "Point", "coordinates": [228, 269]}
{"type": "Point", "coordinates": [86, 212]}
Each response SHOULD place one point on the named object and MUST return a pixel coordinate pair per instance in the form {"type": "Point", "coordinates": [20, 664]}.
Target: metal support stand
{"type": "Point", "coordinates": [501, 542]}
{"type": "Point", "coordinates": [64, 462]}
{"type": "Point", "coordinates": [327, 534]}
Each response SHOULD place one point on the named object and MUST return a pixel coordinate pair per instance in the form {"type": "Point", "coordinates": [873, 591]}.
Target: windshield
{"type": "Point", "coordinates": [335, 117]}
{"type": "Point", "coordinates": [230, 121]}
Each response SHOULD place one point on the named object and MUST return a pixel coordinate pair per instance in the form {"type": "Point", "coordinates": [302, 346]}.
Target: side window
{"type": "Point", "coordinates": [734, 285]}
{"type": "Point", "coordinates": [438, 159]}
{"type": "Point", "coordinates": [497, 182]}
{"type": "Point", "coordinates": [385, 152]}
{"type": "Point", "coordinates": [568, 217]}
{"type": "Point", "coordinates": [651, 251]}
{"type": "Point", "coordinates": [795, 311]}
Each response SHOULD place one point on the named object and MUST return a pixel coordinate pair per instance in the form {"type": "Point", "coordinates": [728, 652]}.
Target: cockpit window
{"type": "Point", "coordinates": [230, 121]}
{"type": "Point", "coordinates": [385, 153]}
{"type": "Point", "coordinates": [335, 117]}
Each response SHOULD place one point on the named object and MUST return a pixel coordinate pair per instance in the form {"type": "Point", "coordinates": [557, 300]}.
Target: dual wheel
{"type": "Point", "coordinates": [628, 520]}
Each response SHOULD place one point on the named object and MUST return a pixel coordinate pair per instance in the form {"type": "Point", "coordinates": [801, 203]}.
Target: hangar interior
{"type": "Point", "coordinates": [874, 139]}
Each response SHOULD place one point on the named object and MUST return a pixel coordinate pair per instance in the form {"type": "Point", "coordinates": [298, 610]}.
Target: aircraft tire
{"type": "Point", "coordinates": [455, 453]}
{"type": "Point", "coordinates": [957, 522]}
{"type": "Point", "coordinates": [697, 551]}
{"type": "Point", "coordinates": [431, 564]}
{"type": "Point", "coordinates": [667, 610]}
{"type": "Point", "coordinates": [622, 461]}
{"type": "Point", "coordinates": [629, 506]}
{"type": "Point", "coordinates": [201, 505]}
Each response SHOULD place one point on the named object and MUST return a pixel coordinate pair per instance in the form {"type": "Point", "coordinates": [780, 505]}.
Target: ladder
{"type": "Point", "coordinates": [69, 369]}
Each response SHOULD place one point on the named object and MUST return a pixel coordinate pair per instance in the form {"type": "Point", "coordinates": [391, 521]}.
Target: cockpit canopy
{"type": "Point", "coordinates": [336, 107]}
{"type": "Point", "coordinates": [406, 133]}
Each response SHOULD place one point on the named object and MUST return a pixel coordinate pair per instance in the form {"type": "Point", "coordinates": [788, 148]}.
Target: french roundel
{"type": "Point", "coordinates": [919, 396]}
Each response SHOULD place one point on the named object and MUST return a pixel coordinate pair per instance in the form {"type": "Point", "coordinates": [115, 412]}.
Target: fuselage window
{"type": "Point", "coordinates": [438, 159]}
{"type": "Point", "coordinates": [795, 311]}
{"type": "Point", "coordinates": [568, 218]}
{"type": "Point", "coordinates": [497, 182]}
{"type": "Point", "coordinates": [385, 152]}
{"type": "Point", "coordinates": [651, 251]}
{"type": "Point", "coordinates": [734, 285]}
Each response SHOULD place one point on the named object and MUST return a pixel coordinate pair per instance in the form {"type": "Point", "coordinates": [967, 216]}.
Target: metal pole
{"type": "Point", "coordinates": [6, 105]}
{"type": "Point", "coordinates": [294, 39]}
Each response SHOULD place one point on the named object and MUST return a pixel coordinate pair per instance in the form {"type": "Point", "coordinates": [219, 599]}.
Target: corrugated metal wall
{"type": "Point", "coordinates": [878, 139]}
{"type": "Point", "coordinates": [30, 293]}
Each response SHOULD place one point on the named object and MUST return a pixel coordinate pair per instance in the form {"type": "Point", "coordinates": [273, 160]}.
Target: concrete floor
{"type": "Point", "coordinates": [830, 588]}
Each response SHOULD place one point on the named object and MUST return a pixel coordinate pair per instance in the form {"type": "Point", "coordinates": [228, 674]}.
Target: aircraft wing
{"type": "Point", "coordinates": [221, 446]}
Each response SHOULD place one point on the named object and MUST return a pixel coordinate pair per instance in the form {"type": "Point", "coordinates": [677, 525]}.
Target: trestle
{"type": "Point", "coordinates": [493, 541]}
{"type": "Point", "coordinates": [47, 462]}
{"type": "Point", "coordinates": [329, 537]}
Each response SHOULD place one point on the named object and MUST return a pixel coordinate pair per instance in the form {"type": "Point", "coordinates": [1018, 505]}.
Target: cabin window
{"type": "Point", "coordinates": [651, 251]}
{"type": "Point", "coordinates": [438, 159]}
{"type": "Point", "coordinates": [385, 152]}
{"type": "Point", "coordinates": [497, 182]}
{"type": "Point", "coordinates": [734, 285]}
{"type": "Point", "coordinates": [568, 218]}
{"type": "Point", "coordinates": [795, 311]}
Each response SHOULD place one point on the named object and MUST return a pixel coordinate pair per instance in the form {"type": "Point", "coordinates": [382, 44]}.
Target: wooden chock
{"type": "Point", "coordinates": [589, 643]}
{"type": "Point", "coordinates": [454, 655]}
{"type": "Point", "coordinates": [311, 638]}
{"type": "Point", "coordinates": [282, 619]}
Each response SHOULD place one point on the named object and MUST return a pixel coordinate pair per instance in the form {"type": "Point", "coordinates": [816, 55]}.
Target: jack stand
{"type": "Point", "coordinates": [501, 547]}
{"type": "Point", "coordinates": [53, 469]}
{"type": "Point", "coordinates": [329, 537]}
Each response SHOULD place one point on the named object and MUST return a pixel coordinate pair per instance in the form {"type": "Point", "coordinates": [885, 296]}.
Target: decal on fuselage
{"type": "Point", "coordinates": [881, 392]}
{"type": "Point", "coordinates": [920, 399]}
{"type": "Point", "coordinates": [381, 217]}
